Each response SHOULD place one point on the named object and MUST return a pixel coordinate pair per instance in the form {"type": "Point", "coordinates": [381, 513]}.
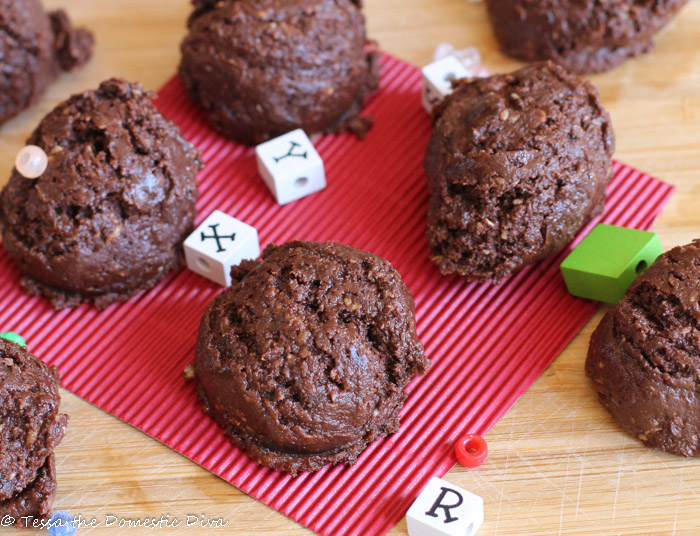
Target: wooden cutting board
{"type": "Point", "coordinates": [558, 464]}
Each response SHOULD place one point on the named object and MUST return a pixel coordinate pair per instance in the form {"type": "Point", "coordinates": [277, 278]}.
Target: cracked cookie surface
{"type": "Point", "coordinates": [31, 428]}
{"type": "Point", "coordinates": [261, 68]}
{"type": "Point", "coordinates": [581, 35]}
{"type": "Point", "coordinates": [34, 501]}
{"type": "Point", "coordinates": [303, 361]}
{"type": "Point", "coordinates": [516, 165]}
{"type": "Point", "coordinates": [108, 216]}
{"type": "Point", "coordinates": [644, 356]}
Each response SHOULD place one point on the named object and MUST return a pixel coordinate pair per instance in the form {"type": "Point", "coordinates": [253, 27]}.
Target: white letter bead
{"type": "Point", "coordinates": [290, 166]}
{"type": "Point", "coordinates": [219, 243]}
{"type": "Point", "coordinates": [443, 509]}
{"type": "Point", "coordinates": [437, 79]}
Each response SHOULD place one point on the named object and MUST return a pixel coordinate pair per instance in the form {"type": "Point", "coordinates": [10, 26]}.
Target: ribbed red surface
{"type": "Point", "coordinates": [487, 343]}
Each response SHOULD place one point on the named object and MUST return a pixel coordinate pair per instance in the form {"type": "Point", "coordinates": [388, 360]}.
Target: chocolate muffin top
{"type": "Point", "coordinates": [31, 425]}
{"type": "Point", "coordinates": [644, 356]}
{"type": "Point", "coordinates": [261, 68]}
{"type": "Point", "coordinates": [34, 48]}
{"type": "Point", "coordinates": [108, 216]}
{"type": "Point", "coordinates": [582, 35]}
{"type": "Point", "coordinates": [303, 361]}
{"type": "Point", "coordinates": [516, 164]}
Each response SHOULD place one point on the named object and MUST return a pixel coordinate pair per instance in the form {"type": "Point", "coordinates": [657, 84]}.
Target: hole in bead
{"type": "Point", "coordinates": [641, 266]}
{"type": "Point", "coordinates": [450, 76]}
{"type": "Point", "coordinates": [301, 181]}
{"type": "Point", "coordinates": [471, 445]}
{"type": "Point", "coordinates": [470, 528]}
{"type": "Point", "coordinates": [204, 265]}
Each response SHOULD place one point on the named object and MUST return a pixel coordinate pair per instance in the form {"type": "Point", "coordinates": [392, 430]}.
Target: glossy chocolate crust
{"type": "Point", "coordinates": [582, 35]}
{"type": "Point", "coordinates": [303, 361]}
{"type": "Point", "coordinates": [108, 216]}
{"type": "Point", "coordinates": [34, 48]}
{"type": "Point", "coordinates": [644, 356]}
{"type": "Point", "coordinates": [516, 164]}
{"type": "Point", "coordinates": [31, 428]}
{"type": "Point", "coordinates": [261, 68]}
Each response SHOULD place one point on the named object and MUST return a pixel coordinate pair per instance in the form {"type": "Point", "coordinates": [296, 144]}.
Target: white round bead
{"type": "Point", "coordinates": [31, 162]}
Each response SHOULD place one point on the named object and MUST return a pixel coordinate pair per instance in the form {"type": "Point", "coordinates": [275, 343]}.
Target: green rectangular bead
{"type": "Point", "coordinates": [607, 261]}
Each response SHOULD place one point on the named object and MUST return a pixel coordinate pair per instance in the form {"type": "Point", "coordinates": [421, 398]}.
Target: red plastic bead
{"type": "Point", "coordinates": [471, 450]}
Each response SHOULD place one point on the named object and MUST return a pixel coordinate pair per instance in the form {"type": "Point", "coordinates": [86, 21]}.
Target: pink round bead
{"type": "Point", "coordinates": [31, 162]}
{"type": "Point", "coordinates": [479, 71]}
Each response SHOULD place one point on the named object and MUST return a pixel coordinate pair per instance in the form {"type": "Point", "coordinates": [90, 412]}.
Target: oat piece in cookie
{"type": "Point", "coordinates": [35, 47]}
{"type": "Point", "coordinates": [644, 356]}
{"type": "Point", "coordinates": [262, 68]}
{"type": "Point", "coordinates": [304, 360]}
{"type": "Point", "coordinates": [585, 36]}
{"type": "Point", "coordinates": [108, 216]}
{"type": "Point", "coordinates": [516, 165]}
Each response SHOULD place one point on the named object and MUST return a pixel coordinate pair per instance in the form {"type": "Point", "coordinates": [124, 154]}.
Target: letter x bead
{"type": "Point", "coordinates": [443, 509]}
{"type": "Point", "coordinates": [219, 243]}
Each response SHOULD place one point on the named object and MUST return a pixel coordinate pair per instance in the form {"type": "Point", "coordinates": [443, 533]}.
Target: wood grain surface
{"type": "Point", "coordinates": [558, 464]}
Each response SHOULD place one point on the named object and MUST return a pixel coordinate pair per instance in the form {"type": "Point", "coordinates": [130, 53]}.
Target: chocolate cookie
{"type": "Point", "coordinates": [36, 499]}
{"type": "Point", "coordinates": [31, 429]}
{"type": "Point", "coordinates": [582, 35]}
{"type": "Point", "coordinates": [516, 164]}
{"type": "Point", "coordinates": [34, 48]}
{"type": "Point", "coordinates": [303, 361]}
{"type": "Point", "coordinates": [261, 68]}
{"type": "Point", "coordinates": [644, 356]}
{"type": "Point", "coordinates": [108, 216]}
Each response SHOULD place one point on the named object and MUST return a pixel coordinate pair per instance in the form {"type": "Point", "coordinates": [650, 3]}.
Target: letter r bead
{"type": "Point", "coordinates": [439, 504]}
{"type": "Point", "coordinates": [443, 509]}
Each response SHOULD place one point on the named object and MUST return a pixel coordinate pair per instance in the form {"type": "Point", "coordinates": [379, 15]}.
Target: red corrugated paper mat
{"type": "Point", "coordinates": [487, 343]}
